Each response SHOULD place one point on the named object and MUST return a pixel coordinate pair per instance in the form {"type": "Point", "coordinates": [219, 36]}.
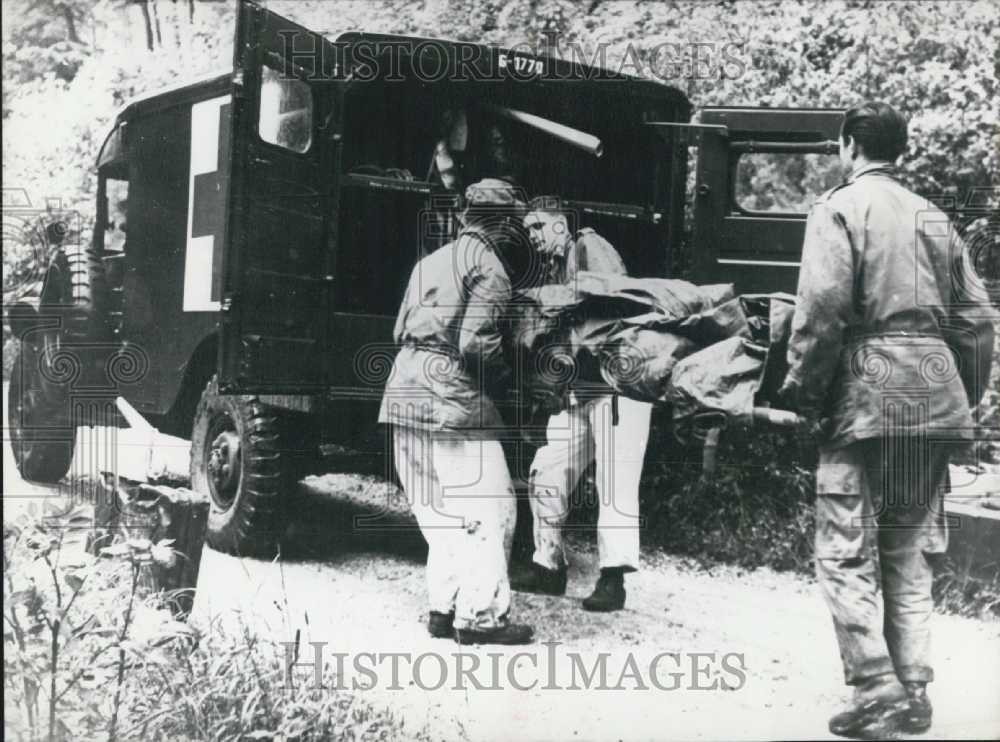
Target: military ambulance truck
{"type": "Point", "coordinates": [255, 230]}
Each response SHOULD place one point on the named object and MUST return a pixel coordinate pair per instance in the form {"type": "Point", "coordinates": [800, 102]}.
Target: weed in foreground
{"type": "Point", "coordinates": [90, 655]}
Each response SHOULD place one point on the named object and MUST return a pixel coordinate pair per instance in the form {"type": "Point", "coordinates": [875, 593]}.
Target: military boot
{"type": "Point", "coordinates": [876, 711]}
{"type": "Point", "coordinates": [538, 579]}
{"type": "Point", "coordinates": [511, 633]}
{"type": "Point", "coordinates": [439, 625]}
{"type": "Point", "coordinates": [609, 592]}
{"type": "Point", "coordinates": [918, 717]}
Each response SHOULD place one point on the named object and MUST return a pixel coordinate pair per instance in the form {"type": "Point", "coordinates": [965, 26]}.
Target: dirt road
{"type": "Point", "coordinates": [356, 589]}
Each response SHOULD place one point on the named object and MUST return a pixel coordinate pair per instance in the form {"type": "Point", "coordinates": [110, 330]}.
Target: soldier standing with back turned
{"type": "Point", "coordinates": [890, 348]}
{"type": "Point", "coordinates": [440, 401]}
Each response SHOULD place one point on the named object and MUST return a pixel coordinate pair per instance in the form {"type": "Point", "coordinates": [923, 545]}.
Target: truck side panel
{"type": "Point", "coordinates": [155, 322]}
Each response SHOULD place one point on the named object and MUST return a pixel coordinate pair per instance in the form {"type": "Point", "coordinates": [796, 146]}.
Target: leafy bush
{"type": "Point", "coordinates": [70, 630]}
{"type": "Point", "coordinates": [957, 592]}
{"type": "Point", "coordinates": [755, 511]}
{"type": "Point", "coordinates": [88, 655]}
{"type": "Point", "coordinates": [67, 79]}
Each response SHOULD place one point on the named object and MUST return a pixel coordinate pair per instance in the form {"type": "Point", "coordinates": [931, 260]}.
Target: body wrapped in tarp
{"type": "Point", "coordinates": [698, 348]}
{"type": "Point", "coordinates": [733, 375]}
{"type": "Point", "coordinates": [604, 331]}
{"type": "Point", "coordinates": [722, 378]}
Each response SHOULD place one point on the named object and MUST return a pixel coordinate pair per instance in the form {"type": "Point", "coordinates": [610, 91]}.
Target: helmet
{"type": "Point", "coordinates": [492, 199]}
{"type": "Point", "coordinates": [494, 192]}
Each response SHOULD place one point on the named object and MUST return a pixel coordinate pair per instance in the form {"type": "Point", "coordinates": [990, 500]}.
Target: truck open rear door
{"type": "Point", "coordinates": [278, 263]}
{"type": "Point", "coordinates": [758, 172]}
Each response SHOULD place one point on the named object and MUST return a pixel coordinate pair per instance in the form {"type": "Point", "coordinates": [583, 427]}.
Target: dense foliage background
{"type": "Point", "coordinates": [69, 64]}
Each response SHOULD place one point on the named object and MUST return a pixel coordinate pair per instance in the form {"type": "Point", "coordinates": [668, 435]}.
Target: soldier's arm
{"type": "Point", "coordinates": [397, 330]}
{"type": "Point", "coordinates": [822, 311]}
{"type": "Point", "coordinates": [597, 255]}
{"type": "Point", "coordinates": [968, 329]}
{"type": "Point", "coordinates": [480, 337]}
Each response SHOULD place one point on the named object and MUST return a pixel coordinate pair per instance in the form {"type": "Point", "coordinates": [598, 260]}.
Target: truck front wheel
{"type": "Point", "coordinates": [41, 434]}
{"type": "Point", "coordinates": [237, 460]}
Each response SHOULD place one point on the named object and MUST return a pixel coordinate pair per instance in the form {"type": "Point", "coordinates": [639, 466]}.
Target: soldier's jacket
{"type": "Point", "coordinates": [892, 331]}
{"type": "Point", "coordinates": [588, 251]}
{"type": "Point", "coordinates": [451, 346]}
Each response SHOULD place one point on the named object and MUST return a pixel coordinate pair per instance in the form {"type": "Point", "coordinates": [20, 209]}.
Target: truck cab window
{"type": "Point", "coordinates": [783, 182]}
{"type": "Point", "coordinates": [286, 111]}
{"type": "Point", "coordinates": [116, 225]}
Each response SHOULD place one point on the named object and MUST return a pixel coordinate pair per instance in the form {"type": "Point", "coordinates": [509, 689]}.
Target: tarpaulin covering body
{"type": "Point", "coordinates": [603, 330]}
{"type": "Point", "coordinates": [699, 348]}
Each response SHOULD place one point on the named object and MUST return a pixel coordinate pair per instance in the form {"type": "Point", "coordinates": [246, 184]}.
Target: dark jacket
{"type": "Point", "coordinates": [892, 333]}
{"type": "Point", "coordinates": [451, 352]}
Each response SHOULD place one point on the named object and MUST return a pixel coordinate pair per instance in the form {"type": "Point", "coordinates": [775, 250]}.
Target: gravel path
{"type": "Point", "coordinates": [357, 587]}
{"type": "Point", "coordinates": [366, 594]}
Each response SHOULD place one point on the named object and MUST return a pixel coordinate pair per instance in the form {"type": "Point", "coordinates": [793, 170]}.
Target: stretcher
{"type": "Point", "coordinates": [708, 427]}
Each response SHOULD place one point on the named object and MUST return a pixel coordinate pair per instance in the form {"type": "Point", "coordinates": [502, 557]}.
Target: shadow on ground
{"type": "Point", "coordinates": [335, 517]}
{"type": "Point", "coordinates": [339, 516]}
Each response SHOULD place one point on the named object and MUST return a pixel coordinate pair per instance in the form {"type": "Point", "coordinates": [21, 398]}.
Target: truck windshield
{"type": "Point", "coordinates": [784, 182]}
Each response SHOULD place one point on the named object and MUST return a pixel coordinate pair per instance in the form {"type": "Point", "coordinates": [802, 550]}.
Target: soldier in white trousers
{"type": "Point", "coordinates": [461, 494]}
{"type": "Point", "coordinates": [596, 426]}
{"type": "Point", "coordinates": [439, 400]}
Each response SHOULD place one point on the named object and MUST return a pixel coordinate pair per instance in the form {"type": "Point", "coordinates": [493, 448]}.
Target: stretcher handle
{"type": "Point", "coordinates": [772, 416]}
{"type": "Point", "coordinates": [705, 421]}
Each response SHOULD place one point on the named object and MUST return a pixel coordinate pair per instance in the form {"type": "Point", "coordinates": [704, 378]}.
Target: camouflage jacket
{"type": "Point", "coordinates": [892, 330]}
{"type": "Point", "coordinates": [451, 354]}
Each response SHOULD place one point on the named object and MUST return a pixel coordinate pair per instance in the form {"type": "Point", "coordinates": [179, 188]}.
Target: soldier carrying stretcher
{"type": "Point", "coordinates": [596, 426]}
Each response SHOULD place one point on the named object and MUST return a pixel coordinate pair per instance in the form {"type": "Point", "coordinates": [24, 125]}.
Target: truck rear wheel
{"type": "Point", "coordinates": [237, 460]}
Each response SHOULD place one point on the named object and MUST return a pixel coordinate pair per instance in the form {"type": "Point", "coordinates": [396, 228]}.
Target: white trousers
{"type": "Point", "coordinates": [460, 491]}
{"type": "Point", "coordinates": [576, 436]}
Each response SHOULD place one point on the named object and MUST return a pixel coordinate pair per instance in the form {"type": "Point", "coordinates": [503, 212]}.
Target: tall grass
{"type": "Point", "coordinates": [89, 655]}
